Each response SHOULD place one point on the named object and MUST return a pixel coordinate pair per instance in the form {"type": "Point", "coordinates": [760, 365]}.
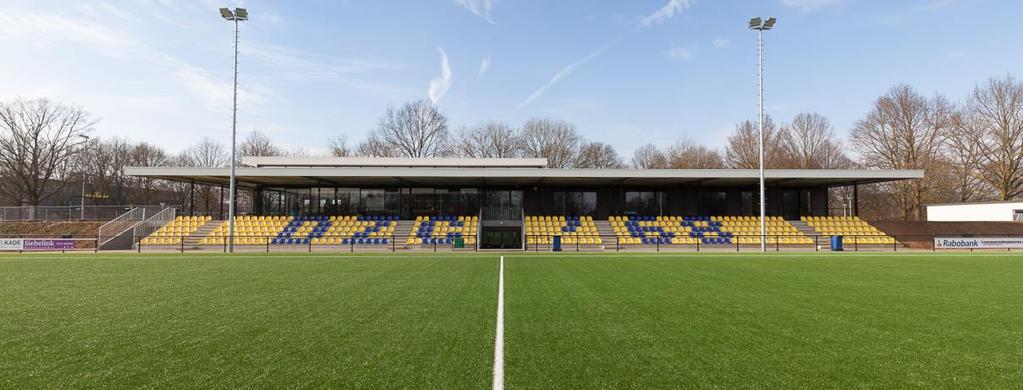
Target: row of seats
{"type": "Point", "coordinates": [710, 230]}
{"type": "Point", "coordinates": [574, 230]}
{"type": "Point", "coordinates": [857, 230]}
{"type": "Point", "coordinates": [426, 229]}
{"type": "Point", "coordinates": [174, 231]}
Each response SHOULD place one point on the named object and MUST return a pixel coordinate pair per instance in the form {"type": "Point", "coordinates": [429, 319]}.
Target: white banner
{"type": "Point", "coordinates": [978, 242]}
{"type": "Point", "coordinates": [12, 244]}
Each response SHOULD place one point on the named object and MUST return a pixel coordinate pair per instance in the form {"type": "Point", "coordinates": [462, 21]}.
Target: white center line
{"type": "Point", "coordinates": [499, 339]}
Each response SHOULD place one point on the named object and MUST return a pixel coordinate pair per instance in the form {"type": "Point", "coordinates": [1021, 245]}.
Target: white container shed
{"type": "Point", "coordinates": [976, 212]}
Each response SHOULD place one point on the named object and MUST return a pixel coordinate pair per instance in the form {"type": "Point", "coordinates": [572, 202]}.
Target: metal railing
{"type": "Point", "coordinates": [501, 213]}
{"type": "Point", "coordinates": [155, 222]}
{"type": "Point", "coordinates": [533, 243]}
{"type": "Point", "coordinates": [124, 222]}
{"type": "Point", "coordinates": [274, 243]}
{"type": "Point", "coordinates": [65, 213]}
{"type": "Point", "coordinates": [747, 243]}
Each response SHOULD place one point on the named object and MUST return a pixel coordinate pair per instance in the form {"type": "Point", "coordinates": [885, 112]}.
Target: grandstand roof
{"type": "Point", "coordinates": [285, 172]}
{"type": "Point", "coordinates": [433, 162]}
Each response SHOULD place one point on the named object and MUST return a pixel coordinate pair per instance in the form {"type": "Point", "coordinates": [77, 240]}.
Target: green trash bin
{"type": "Point", "coordinates": [459, 242]}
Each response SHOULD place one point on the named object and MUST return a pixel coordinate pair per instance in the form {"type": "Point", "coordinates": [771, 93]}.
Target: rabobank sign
{"type": "Point", "coordinates": [978, 242]}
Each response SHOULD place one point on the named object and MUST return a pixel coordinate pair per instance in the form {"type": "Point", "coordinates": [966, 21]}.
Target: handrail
{"type": "Point", "coordinates": [154, 223]}
{"type": "Point", "coordinates": [123, 223]}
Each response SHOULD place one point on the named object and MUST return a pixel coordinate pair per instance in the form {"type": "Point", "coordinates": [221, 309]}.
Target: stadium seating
{"type": "Point", "coordinates": [175, 231]}
{"type": "Point", "coordinates": [248, 230]}
{"type": "Point", "coordinates": [343, 230]}
{"type": "Point", "coordinates": [572, 229]}
{"type": "Point", "coordinates": [746, 230]}
{"type": "Point", "coordinates": [704, 230]}
{"type": "Point", "coordinates": [315, 230]}
{"type": "Point", "coordinates": [855, 230]}
{"type": "Point", "coordinates": [443, 230]}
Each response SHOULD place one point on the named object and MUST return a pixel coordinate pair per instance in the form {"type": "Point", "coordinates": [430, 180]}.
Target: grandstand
{"type": "Point", "coordinates": [858, 230]}
{"type": "Point", "coordinates": [445, 230]}
{"type": "Point", "coordinates": [514, 203]}
{"type": "Point", "coordinates": [573, 230]}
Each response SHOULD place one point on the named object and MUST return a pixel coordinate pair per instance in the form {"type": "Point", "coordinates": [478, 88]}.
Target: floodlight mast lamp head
{"type": "Point", "coordinates": [238, 15]}
{"type": "Point", "coordinates": [762, 25]}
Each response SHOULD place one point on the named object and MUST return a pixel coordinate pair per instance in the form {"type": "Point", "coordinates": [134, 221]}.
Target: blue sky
{"type": "Point", "coordinates": [626, 72]}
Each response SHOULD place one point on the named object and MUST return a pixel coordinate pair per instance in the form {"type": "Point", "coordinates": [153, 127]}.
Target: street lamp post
{"type": "Point", "coordinates": [85, 140]}
{"type": "Point", "coordinates": [239, 15]}
{"type": "Point", "coordinates": [760, 26]}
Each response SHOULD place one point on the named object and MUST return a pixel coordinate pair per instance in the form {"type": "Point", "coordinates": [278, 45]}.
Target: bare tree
{"type": "Point", "coordinates": [38, 139]}
{"type": "Point", "coordinates": [486, 140]}
{"type": "Point", "coordinates": [996, 115]}
{"type": "Point", "coordinates": [555, 140]}
{"type": "Point", "coordinates": [206, 153]}
{"type": "Point", "coordinates": [417, 129]}
{"type": "Point", "coordinates": [743, 149]}
{"type": "Point", "coordinates": [146, 155]}
{"type": "Point", "coordinates": [905, 130]}
{"type": "Point", "coordinates": [339, 146]}
{"type": "Point", "coordinates": [258, 144]}
{"type": "Point", "coordinates": [373, 146]}
{"type": "Point", "coordinates": [962, 156]}
{"type": "Point", "coordinates": [809, 142]}
{"type": "Point", "coordinates": [649, 157]}
{"type": "Point", "coordinates": [685, 154]}
{"type": "Point", "coordinates": [597, 155]}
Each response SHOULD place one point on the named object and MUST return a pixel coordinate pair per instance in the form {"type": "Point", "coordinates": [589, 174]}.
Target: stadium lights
{"type": "Point", "coordinates": [239, 15]}
{"type": "Point", "coordinates": [760, 26]}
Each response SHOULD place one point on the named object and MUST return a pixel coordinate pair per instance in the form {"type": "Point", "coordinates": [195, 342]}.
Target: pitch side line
{"type": "Point", "coordinates": [499, 338]}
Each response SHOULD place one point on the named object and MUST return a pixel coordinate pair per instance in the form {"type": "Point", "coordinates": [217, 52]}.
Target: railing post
{"type": "Point", "coordinates": [267, 244]}
{"type": "Point", "coordinates": [777, 244]}
{"type": "Point", "coordinates": [182, 241]}
{"type": "Point", "coordinates": [856, 244]}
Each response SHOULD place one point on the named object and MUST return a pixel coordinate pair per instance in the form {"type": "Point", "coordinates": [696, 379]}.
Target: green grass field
{"type": "Point", "coordinates": [571, 321]}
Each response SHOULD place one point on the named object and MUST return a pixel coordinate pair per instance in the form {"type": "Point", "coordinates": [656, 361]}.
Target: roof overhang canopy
{"type": "Point", "coordinates": [412, 176]}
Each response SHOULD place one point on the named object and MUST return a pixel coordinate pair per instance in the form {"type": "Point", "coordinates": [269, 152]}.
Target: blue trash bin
{"type": "Point", "coordinates": [836, 243]}
{"type": "Point", "coordinates": [556, 243]}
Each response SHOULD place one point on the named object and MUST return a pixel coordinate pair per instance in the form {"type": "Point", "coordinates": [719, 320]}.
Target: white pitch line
{"type": "Point", "coordinates": [499, 338]}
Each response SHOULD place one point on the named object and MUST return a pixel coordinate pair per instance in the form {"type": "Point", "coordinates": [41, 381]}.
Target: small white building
{"type": "Point", "coordinates": [976, 212]}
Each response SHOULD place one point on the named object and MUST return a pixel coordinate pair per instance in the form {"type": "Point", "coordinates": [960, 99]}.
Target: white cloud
{"type": "Point", "coordinates": [684, 53]}
{"type": "Point", "coordinates": [720, 43]}
{"type": "Point", "coordinates": [440, 86]}
{"type": "Point", "coordinates": [479, 7]}
{"type": "Point", "coordinates": [564, 72]}
{"type": "Point", "coordinates": [674, 7]}
{"type": "Point", "coordinates": [484, 67]}
{"type": "Point", "coordinates": [808, 5]}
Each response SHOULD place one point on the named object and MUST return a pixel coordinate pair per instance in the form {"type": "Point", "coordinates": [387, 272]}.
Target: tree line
{"type": "Point", "coordinates": [969, 150]}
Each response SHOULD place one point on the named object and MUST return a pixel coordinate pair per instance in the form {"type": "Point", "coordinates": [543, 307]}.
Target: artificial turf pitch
{"type": "Point", "coordinates": [571, 321]}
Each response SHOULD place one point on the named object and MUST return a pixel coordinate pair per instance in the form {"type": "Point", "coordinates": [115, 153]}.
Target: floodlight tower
{"type": "Point", "coordinates": [760, 26]}
{"type": "Point", "coordinates": [239, 15]}
{"type": "Point", "coordinates": [85, 142]}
